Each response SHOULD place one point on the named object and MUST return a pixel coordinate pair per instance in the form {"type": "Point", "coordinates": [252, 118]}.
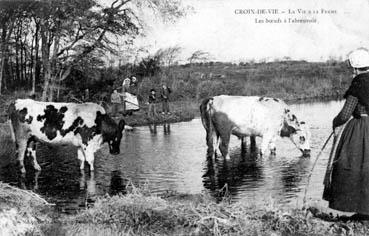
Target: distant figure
{"type": "Point", "coordinates": [86, 96]}
{"type": "Point", "coordinates": [133, 86]}
{"type": "Point", "coordinates": [152, 104]}
{"type": "Point", "coordinates": [116, 102]}
{"type": "Point", "coordinates": [165, 91]}
{"type": "Point", "coordinates": [125, 86]}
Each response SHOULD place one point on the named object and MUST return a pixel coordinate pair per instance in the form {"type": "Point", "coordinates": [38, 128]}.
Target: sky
{"type": "Point", "coordinates": [215, 26]}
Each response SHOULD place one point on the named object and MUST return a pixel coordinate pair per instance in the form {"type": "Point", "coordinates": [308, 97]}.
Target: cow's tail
{"type": "Point", "coordinates": [12, 120]}
{"type": "Point", "coordinates": [206, 110]}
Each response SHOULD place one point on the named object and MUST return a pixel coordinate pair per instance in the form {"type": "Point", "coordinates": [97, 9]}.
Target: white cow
{"type": "Point", "coordinates": [249, 117]}
{"type": "Point", "coordinates": [86, 126]}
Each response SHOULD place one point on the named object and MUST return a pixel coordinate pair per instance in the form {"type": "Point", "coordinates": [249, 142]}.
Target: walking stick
{"type": "Point", "coordinates": [312, 168]}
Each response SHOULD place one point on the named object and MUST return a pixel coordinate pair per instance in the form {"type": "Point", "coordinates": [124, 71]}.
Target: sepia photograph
{"type": "Point", "coordinates": [184, 117]}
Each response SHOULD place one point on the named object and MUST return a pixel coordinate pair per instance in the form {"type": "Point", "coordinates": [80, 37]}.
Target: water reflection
{"type": "Point", "coordinates": [172, 157]}
{"type": "Point", "coordinates": [241, 168]}
{"type": "Point", "coordinates": [293, 173]}
{"type": "Point", "coordinates": [166, 128]}
{"type": "Point", "coordinates": [29, 180]}
{"type": "Point", "coordinates": [87, 184]}
{"type": "Point", "coordinates": [117, 183]}
{"type": "Point", "coordinates": [154, 130]}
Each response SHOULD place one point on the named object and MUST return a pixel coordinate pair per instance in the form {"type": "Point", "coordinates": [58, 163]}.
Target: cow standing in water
{"type": "Point", "coordinates": [250, 117]}
{"type": "Point", "coordinates": [86, 126]}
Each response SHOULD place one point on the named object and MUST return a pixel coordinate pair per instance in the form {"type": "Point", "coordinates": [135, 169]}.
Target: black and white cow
{"type": "Point", "coordinates": [250, 116]}
{"type": "Point", "coordinates": [86, 126]}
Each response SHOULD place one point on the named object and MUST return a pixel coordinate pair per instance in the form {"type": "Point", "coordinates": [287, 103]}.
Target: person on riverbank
{"type": "Point", "coordinates": [116, 102]}
{"type": "Point", "coordinates": [133, 86]}
{"type": "Point", "coordinates": [152, 113]}
{"type": "Point", "coordinates": [347, 186]}
{"type": "Point", "coordinates": [165, 91]}
{"type": "Point", "coordinates": [125, 85]}
{"type": "Point", "coordinates": [86, 96]}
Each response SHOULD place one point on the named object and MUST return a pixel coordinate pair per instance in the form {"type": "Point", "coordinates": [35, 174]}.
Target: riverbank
{"type": "Point", "coordinates": [22, 212]}
{"type": "Point", "coordinates": [180, 110]}
{"type": "Point", "coordinates": [141, 213]}
{"type": "Point", "coordinates": [188, 110]}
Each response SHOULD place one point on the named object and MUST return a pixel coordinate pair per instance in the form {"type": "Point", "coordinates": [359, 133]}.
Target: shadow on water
{"type": "Point", "coordinates": [248, 172]}
{"type": "Point", "coordinates": [117, 183]}
{"type": "Point", "coordinates": [60, 181]}
{"type": "Point", "coordinates": [242, 168]}
{"type": "Point", "coordinates": [293, 173]}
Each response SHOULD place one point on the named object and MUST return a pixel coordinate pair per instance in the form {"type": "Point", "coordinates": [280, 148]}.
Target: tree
{"type": "Point", "coordinates": [7, 15]}
{"type": "Point", "coordinates": [148, 67]}
{"type": "Point", "coordinates": [169, 55]}
{"type": "Point", "coordinates": [73, 30]}
{"type": "Point", "coordinates": [47, 39]}
{"type": "Point", "coordinates": [199, 56]}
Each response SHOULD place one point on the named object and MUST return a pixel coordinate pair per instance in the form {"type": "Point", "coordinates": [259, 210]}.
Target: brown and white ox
{"type": "Point", "coordinates": [251, 116]}
{"type": "Point", "coordinates": [86, 126]}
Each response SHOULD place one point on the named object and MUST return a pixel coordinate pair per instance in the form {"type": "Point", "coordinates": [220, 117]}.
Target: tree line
{"type": "Point", "coordinates": [44, 41]}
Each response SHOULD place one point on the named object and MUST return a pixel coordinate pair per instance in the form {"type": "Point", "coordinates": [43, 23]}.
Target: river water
{"type": "Point", "coordinates": [172, 157]}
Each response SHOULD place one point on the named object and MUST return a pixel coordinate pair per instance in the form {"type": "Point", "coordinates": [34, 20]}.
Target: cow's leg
{"type": "Point", "coordinates": [21, 150]}
{"type": "Point", "coordinates": [90, 156]}
{"type": "Point", "coordinates": [267, 139]}
{"type": "Point", "coordinates": [31, 150]}
{"type": "Point", "coordinates": [252, 142]}
{"type": "Point", "coordinates": [216, 143]}
{"type": "Point", "coordinates": [224, 143]}
{"type": "Point", "coordinates": [81, 157]}
{"type": "Point", "coordinates": [272, 146]}
{"type": "Point", "coordinates": [243, 143]}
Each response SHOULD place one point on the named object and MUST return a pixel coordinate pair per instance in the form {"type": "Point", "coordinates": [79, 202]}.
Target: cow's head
{"type": "Point", "coordinates": [298, 132]}
{"type": "Point", "coordinates": [112, 133]}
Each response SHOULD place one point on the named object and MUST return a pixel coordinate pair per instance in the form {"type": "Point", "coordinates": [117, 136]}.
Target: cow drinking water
{"type": "Point", "coordinates": [249, 117]}
{"type": "Point", "coordinates": [86, 126]}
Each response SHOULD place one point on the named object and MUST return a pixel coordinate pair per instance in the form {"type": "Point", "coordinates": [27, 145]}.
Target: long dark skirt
{"type": "Point", "coordinates": [349, 187]}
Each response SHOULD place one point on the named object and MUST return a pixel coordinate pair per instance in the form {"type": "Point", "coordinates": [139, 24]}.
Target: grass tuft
{"type": "Point", "coordinates": [140, 213]}
{"type": "Point", "coordinates": [21, 211]}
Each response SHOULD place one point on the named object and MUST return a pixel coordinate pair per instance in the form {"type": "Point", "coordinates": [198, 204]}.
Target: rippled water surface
{"type": "Point", "coordinates": [173, 158]}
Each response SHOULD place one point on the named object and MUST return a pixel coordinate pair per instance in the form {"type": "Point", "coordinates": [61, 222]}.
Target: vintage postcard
{"type": "Point", "coordinates": [184, 117]}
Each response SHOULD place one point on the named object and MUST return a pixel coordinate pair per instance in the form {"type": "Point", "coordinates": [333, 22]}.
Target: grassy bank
{"type": "Point", "coordinates": [22, 212]}
{"type": "Point", "coordinates": [140, 213]}
{"type": "Point", "coordinates": [281, 79]}
{"type": "Point", "coordinates": [288, 80]}
{"type": "Point", "coordinates": [180, 111]}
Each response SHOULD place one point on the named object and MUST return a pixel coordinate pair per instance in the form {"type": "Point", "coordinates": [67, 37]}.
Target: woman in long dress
{"type": "Point", "coordinates": [348, 189]}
